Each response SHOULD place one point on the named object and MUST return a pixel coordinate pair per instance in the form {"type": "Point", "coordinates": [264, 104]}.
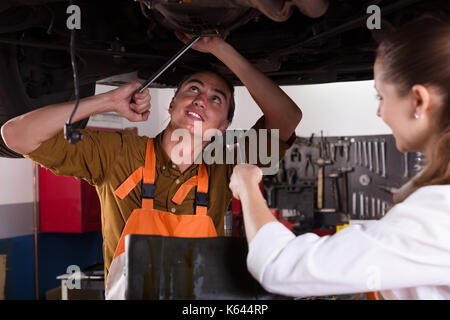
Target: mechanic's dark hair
{"type": "Point", "coordinates": [228, 82]}
{"type": "Point", "coordinates": [419, 53]}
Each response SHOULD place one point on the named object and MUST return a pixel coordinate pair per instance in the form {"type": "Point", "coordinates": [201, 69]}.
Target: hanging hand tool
{"type": "Point", "coordinates": [366, 207]}
{"type": "Point", "coordinates": [346, 150]}
{"type": "Point", "coordinates": [378, 207]}
{"type": "Point", "coordinates": [291, 175]}
{"type": "Point", "coordinates": [405, 163]}
{"type": "Point", "coordinates": [309, 163]}
{"type": "Point", "coordinates": [359, 153]}
{"type": "Point", "coordinates": [334, 177]}
{"type": "Point", "coordinates": [322, 148]}
{"type": "Point", "coordinates": [333, 151]}
{"type": "Point", "coordinates": [361, 205]}
{"type": "Point", "coordinates": [373, 207]}
{"type": "Point", "coordinates": [366, 163]}
{"type": "Point", "coordinates": [281, 174]}
{"type": "Point", "coordinates": [344, 172]}
{"type": "Point", "coordinates": [354, 204]}
{"type": "Point", "coordinates": [296, 155]}
{"type": "Point", "coordinates": [383, 159]}
{"type": "Point", "coordinates": [344, 145]}
{"type": "Point", "coordinates": [369, 146]}
{"type": "Point", "coordinates": [377, 161]}
{"type": "Point", "coordinates": [355, 150]}
{"type": "Point", "coordinates": [322, 161]}
{"type": "Point", "coordinates": [310, 141]}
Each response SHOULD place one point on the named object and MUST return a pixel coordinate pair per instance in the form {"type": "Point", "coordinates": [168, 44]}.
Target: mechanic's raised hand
{"type": "Point", "coordinates": [244, 176]}
{"type": "Point", "coordinates": [204, 44]}
{"type": "Point", "coordinates": [139, 110]}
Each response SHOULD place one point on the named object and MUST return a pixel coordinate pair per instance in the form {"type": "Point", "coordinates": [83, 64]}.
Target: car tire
{"type": "Point", "coordinates": [15, 101]}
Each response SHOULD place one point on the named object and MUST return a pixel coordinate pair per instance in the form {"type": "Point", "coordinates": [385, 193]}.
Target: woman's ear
{"type": "Point", "coordinates": [422, 99]}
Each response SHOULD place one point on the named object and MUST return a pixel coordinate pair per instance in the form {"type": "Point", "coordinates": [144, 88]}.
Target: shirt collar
{"type": "Point", "coordinates": [162, 158]}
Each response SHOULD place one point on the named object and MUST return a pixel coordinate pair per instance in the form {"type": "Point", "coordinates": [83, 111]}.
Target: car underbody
{"type": "Point", "coordinates": [293, 42]}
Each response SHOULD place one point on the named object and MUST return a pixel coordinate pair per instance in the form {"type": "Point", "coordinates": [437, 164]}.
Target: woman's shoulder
{"type": "Point", "coordinates": [431, 193]}
{"type": "Point", "coordinates": [424, 215]}
{"type": "Point", "coordinates": [428, 204]}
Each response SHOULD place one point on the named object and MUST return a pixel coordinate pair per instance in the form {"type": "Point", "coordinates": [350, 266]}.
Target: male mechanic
{"type": "Point", "coordinates": [110, 160]}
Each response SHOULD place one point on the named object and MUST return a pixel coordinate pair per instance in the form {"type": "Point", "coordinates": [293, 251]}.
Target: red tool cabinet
{"type": "Point", "coordinates": [68, 205]}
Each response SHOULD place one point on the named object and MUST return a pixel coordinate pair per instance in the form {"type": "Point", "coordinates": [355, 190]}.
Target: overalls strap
{"type": "Point", "coordinates": [147, 174]}
{"type": "Point", "coordinates": [148, 185]}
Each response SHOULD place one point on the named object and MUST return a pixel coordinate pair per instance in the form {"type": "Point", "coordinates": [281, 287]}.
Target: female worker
{"type": "Point", "coordinates": [406, 254]}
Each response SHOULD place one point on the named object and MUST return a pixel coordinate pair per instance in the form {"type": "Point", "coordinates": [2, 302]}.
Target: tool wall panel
{"type": "Point", "coordinates": [359, 174]}
{"type": "Point", "coordinates": [371, 180]}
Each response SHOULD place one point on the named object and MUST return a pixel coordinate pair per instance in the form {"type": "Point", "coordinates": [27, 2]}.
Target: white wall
{"type": "Point", "coordinates": [347, 108]}
{"type": "Point", "coordinates": [339, 109]}
{"type": "Point", "coordinates": [16, 197]}
{"type": "Point", "coordinates": [16, 184]}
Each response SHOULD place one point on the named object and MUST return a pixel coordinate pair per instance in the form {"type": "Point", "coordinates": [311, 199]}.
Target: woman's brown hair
{"type": "Point", "coordinates": [419, 53]}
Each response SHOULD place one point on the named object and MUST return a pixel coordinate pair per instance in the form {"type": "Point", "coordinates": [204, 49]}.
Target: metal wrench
{"type": "Point", "coordinates": [333, 151]}
{"type": "Point", "coordinates": [377, 161]}
{"type": "Point", "coordinates": [156, 75]}
{"type": "Point", "coordinates": [405, 161]}
{"type": "Point", "coordinates": [364, 144]}
{"type": "Point", "coordinates": [366, 210]}
{"type": "Point", "coordinates": [378, 207]}
{"type": "Point", "coordinates": [361, 206]}
{"type": "Point", "coordinates": [337, 203]}
{"type": "Point", "coordinates": [383, 159]}
{"type": "Point", "coordinates": [374, 214]}
{"type": "Point", "coordinates": [359, 153]}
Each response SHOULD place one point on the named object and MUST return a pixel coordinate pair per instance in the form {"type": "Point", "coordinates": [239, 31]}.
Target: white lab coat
{"type": "Point", "coordinates": [405, 255]}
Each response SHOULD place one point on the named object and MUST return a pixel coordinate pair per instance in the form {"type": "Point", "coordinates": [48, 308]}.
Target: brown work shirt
{"type": "Point", "coordinates": [106, 159]}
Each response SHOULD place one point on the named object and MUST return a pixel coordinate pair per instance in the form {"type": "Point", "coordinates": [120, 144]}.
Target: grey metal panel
{"type": "Point", "coordinates": [16, 220]}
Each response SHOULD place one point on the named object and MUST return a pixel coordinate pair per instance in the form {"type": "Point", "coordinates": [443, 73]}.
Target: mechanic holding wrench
{"type": "Point", "coordinates": [115, 162]}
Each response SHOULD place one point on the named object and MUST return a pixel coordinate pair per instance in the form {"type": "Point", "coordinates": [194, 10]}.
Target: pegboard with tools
{"type": "Point", "coordinates": [379, 170]}
{"type": "Point", "coordinates": [327, 181]}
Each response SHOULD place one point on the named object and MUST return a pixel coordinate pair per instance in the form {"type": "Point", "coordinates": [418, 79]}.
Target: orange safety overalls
{"type": "Point", "coordinates": [150, 221]}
